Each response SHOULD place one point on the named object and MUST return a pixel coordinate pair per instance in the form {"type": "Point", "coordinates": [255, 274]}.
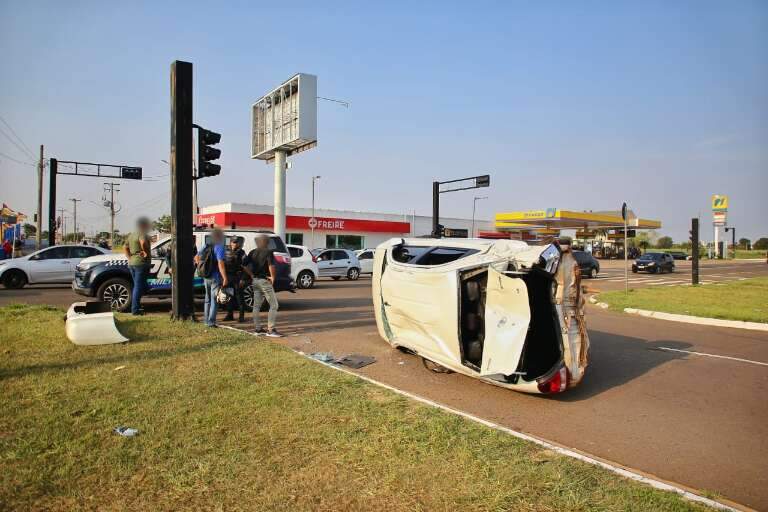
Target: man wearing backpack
{"type": "Point", "coordinates": [210, 266]}
{"type": "Point", "coordinates": [234, 265]}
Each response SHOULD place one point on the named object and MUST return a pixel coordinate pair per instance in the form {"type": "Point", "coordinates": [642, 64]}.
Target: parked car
{"type": "Point", "coordinates": [106, 277]}
{"type": "Point", "coordinates": [338, 263]}
{"type": "Point", "coordinates": [679, 255]}
{"type": "Point", "coordinates": [590, 267]}
{"type": "Point", "coordinates": [365, 257]}
{"type": "Point", "coordinates": [498, 310]}
{"type": "Point", "coordinates": [303, 266]}
{"type": "Point", "coordinates": [51, 265]}
{"type": "Point", "coordinates": [656, 262]}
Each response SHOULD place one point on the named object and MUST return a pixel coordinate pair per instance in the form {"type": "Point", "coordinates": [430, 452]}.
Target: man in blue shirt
{"type": "Point", "coordinates": [218, 275]}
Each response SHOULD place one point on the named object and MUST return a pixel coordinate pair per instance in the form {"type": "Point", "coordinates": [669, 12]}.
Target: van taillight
{"type": "Point", "coordinates": [282, 258]}
{"type": "Point", "coordinates": [555, 383]}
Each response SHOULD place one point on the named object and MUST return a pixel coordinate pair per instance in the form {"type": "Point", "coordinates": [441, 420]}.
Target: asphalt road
{"type": "Point", "coordinates": [611, 276]}
{"type": "Point", "coordinates": [692, 419]}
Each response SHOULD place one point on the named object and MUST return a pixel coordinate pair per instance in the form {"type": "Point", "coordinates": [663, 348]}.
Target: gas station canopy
{"type": "Point", "coordinates": [557, 219]}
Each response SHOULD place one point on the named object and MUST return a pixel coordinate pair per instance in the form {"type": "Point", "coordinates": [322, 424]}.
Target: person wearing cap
{"type": "Point", "coordinates": [259, 264]}
{"type": "Point", "coordinates": [137, 250]}
{"type": "Point", "coordinates": [233, 262]}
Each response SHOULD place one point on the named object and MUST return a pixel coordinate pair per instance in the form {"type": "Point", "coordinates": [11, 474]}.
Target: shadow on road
{"type": "Point", "coordinates": [615, 360]}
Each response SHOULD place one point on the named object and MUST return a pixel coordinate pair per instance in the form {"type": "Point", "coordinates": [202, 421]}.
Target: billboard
{"type": "Point", "coordinates": [719, 203]}
{"type": "Point", "coordinates": [285, 119]}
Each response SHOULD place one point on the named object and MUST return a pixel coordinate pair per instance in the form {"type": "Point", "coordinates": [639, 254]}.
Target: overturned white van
{"type": "Point", "coordinates": [499, 310]}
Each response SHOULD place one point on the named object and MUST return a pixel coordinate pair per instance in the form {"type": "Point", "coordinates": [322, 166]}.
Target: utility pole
{"type": "Point", "coordinates": [474, 206]}
{"type": "Point", "coordinates": [74, 209]}
{"type": "Point", "coordinates": [40, 167]}
{"type": "Point", "coordinates": [111, 188]}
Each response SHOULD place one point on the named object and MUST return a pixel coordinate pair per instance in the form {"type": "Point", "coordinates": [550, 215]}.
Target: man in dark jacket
{"type": "Point", "coordinates": [233, 262]}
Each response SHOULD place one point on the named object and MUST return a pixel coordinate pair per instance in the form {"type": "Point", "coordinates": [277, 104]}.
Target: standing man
{"type": "Point", "coordinates": [137, 249]}
{"type": "Point", "coordinates": [233, 262]}
{"type": "Point", "coordinates": [260, 266]}
{"type": "Point", "coordinates": [210, 266]}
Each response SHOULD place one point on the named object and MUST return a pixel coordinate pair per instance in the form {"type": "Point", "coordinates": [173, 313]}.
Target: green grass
{"type": "Point", "coordinates": [743, 254]}
{"type": "Point", "coordinates": [231, 423]}
{"type": "Point", "coordinates": [738, 300]}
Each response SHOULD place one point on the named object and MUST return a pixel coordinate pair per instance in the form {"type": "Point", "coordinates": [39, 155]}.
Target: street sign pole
{"type": "Point", "coordinates": [626, 273]}
{"type": "Point", "coordinates": [435, 209]}
{"type": "Point", "coordinates": [182, 288]}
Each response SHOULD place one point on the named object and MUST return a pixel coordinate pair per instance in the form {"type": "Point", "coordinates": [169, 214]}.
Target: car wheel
{"type": "Point", "coordinates": [335, 278]}
{"type": "Point", "coordinates": [305, 279]}
{"type": "Point", "coordinates": [353, 274]}
{"type": "Point", "coordinates": [592, 273]}
{"type": "Point", "coordinates": [117, 292]}
{"type": "Point", "coordinates": [634, 271]}
{"type": "Point", "coordinates": [14, 279]}
{"type": "Point", "coordinates": [659, 270]}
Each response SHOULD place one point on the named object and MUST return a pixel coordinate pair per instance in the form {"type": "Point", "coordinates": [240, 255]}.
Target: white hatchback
{"type": "Point", "coordinates": [365, 257]}
{"type": "Point", "coordinates": [303, 266]}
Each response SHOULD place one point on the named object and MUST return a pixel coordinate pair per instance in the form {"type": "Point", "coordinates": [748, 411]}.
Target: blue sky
{"type": "Point", "coordinates": [577, 105]}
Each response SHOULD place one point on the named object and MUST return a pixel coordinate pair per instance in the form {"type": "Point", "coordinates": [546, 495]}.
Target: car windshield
{"type": "Point", "coordinates": [650, 256]}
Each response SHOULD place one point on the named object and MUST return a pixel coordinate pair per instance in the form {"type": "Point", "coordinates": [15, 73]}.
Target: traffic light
{"type": "Point", "coordinates": [206, 153]}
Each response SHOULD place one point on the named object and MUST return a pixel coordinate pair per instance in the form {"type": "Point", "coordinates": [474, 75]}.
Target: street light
{"type": "Point", "coordinates": [474, 206]}
{"type": "Point", "coordinates": [313, 221]}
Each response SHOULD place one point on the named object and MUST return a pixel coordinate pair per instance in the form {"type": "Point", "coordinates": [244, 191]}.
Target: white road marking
{"type": "Point", "coordinates": [614, 468]}
{"type": "Point", "coordinates": [714, 355]}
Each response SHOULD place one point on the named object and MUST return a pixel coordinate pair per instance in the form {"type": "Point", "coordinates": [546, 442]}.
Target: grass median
{"type": "Point", "coordinates": [228, 422]}
{"type": "Point", "coordinates": [736, 300]}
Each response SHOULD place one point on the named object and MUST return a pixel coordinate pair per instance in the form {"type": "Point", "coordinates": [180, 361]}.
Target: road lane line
{"type": "Point", "coordinates": [714, 355]}
{"type": "Point", "coordinates": [584, 457]}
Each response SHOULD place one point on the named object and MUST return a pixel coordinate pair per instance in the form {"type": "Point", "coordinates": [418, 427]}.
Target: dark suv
{"type": "Point", "coordinates": [107, 277]}
{"type": "Point", "coordinates": [587, 263]}
{"type": "Point", "coordinates": [656, 262]}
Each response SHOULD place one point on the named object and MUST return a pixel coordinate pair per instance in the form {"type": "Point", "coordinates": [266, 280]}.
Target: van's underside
{"type": "Point", "coordinates": [542, 349]}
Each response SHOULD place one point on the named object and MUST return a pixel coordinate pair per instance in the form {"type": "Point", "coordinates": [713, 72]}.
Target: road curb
{"type": "Point", "coordinates": [698, 320]}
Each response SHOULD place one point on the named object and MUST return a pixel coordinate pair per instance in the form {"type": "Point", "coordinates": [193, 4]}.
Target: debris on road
{"type": "Point", "coordinates": [323, 357]}
{"type": "Point", "coordinates": [356, 361]}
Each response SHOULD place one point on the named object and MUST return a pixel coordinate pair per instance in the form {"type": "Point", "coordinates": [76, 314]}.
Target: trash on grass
{"type": "Point", "coordinates": [126, 431]}
{"type": "Point", "coordinates": [118, 368]}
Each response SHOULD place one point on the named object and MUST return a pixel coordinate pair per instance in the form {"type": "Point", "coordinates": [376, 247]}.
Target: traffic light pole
{"type": "Point", "coordinates": [695, 251]}
{"type": "Point", "coordinates": [54, 167]}
{"type": "Point", "coordinates": [182, 248]}
{"type": "Point", "coordinates": [435, 209]}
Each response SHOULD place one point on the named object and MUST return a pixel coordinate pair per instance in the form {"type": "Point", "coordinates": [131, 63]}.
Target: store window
{"type": "Point", "coordinates": [294, 238]}
{"type": "Point", "coordinates": [351, 242]}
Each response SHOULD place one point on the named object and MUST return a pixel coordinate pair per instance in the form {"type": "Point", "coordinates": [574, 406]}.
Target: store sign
{"type": "Point", "coordinates": [303, 223]}
{"type": "Point", "coordinates": [719, 218]}
{"type": "Point", "coordinates": [719, 203]}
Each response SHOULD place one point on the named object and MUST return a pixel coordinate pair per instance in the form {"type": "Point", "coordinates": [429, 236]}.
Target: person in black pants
{"type": "Point", "coordinates": [233, 262]}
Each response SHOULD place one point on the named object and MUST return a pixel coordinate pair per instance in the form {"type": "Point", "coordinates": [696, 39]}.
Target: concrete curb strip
{"type": "Point", "coordinates": [698, 320]}
{"type": "Point", "coordinates": [614, 468]}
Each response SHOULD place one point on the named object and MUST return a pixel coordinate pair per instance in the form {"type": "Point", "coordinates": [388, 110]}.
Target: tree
{"type": "Point", "coordinates": [29, 230]}
{"type": "Point", "coordinates": [744, 243]}
{"type": "Point", "coordinates": [761, 244]}
{"type": "Point", "coordinates": [664, 242]}
{"type": "Point", "coordinates": [163, 224]}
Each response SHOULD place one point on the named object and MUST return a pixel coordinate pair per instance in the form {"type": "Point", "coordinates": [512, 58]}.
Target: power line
{"type": "Point", "coordinates": [28, 151]}
{"type": "Point", "coordinates": [17, 161]}
{"type": "Point", "coordinates": [22, 149]}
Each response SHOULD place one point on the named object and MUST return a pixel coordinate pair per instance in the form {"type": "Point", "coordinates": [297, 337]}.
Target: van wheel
{"type": "Point", "coordinates": [305, 279]}
{"type": "Point", "coordinates": [14, 279]}
{"type": "Point", "coordinates": [353, 274]}
{"type": "Point", "coordinates": [117, 292]}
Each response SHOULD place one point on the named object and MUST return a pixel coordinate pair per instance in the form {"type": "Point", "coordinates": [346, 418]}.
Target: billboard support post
{"type": "Point", "coordinates": [182, 248]}
{"type": "Point", "coordinates": [279, 208]}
